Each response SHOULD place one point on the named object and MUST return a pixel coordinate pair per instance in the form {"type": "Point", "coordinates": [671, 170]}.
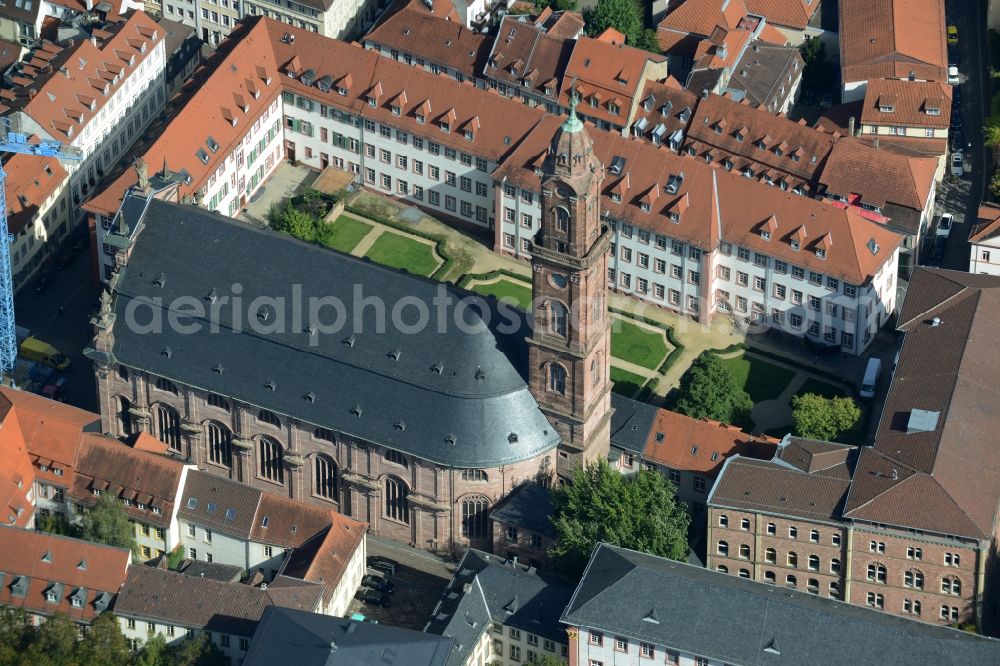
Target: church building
{"type": "Point", "coordinates": [225, 341]}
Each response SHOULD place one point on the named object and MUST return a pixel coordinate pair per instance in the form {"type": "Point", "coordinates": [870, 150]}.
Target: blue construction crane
{"type": "Point", "coordinates": [14, 141]}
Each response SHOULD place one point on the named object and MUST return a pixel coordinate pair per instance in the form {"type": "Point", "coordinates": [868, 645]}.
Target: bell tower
{"type": "Point", "coordinates": [570, 343]}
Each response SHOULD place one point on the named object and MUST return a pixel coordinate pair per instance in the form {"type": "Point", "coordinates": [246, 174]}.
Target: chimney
{"type": "Point", "coordinates": [936, 321]}
{"type": "Point", "coordinates": [31, 93]}
{"type": "Point", "coordinates": [704, 93]}
{"type": "Point", "coordinates": [850, 126]}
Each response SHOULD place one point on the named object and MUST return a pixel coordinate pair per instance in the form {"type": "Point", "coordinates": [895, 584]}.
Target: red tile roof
{"type": "Point", "coordinates": [290, 522]}
{"type": "Point", "coordinates": [744, 128]}
{"type": "Point", "coordinates": [17, 476]}
{"type": "Point", "coordinates": [52, 431]}
{"type": "Point", "coordinates": [30, 181]}
{"type": "Point", "coordinates": [259, 41]}
{"type": "Point", "coordinates": [699, 17]}
{"type": "Point", "coordinates": [325, 557]}
{"type": "Point", "coordinates": [534, 54]}
{"type": "Point", "coordinates": [910, 101]}
{"type": "Point", "coordinates": [891, 38]}
{"type": "Point", "coordinates": [438, 40]}
{"type": "Point", "coordinates": [64, 566]}
{"type": "Point", "coordinates": [683, 443]}
{"type": "Point", "coordinates": [69, 99]}
{"type": "Point", "coordinates": [788, 13]}
{"type": "Point", "coordinates": [606, 73]}
{"type": "Point", "coordinates": [905, 181]}
{"type": "Point", "coordinates": [987, 224]}
{"type": "Point", "coordinates": [108, 465]}
{"type": "Point", "coordinates": [714, 204]}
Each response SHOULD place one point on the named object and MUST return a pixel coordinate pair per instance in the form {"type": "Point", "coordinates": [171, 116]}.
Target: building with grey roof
{"type": "Point", "coordinates": [767, 76]}
{"type": "Point", "coordinates": [175, 605]}
{"type": "Point", "coordinates": [500, 611]}
{"type": "Point", "coordinates": [522, 525]}
{"type": "Point", "coordinates": [308, 639]}
{"type": "Point", "coordinates": [329, 417]}
{"type": "Point", "coordinates": [671, 611]}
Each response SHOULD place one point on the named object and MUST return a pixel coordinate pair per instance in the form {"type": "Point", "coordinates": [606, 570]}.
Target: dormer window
{"type": "Point", "coordinates": [445, 127]}
{"type": "Point", "coordinates": [617, 198]}
{"type": "Point", "coordinates": [342, 91]}
{"type": "Point", "coordinates": [593, 102]}
{"type": "Point", "coordinates": [394, 109]}
{"type": "Point", "coordinates": [795, 158]}
{"type": "Point", "coordinates": [612, 109]}
{"type": "Point", "coordinates": [469, 135]}
{"type": "Point", "coordinates": [933, 111]}
{"type": "Point", "coordinates": [778, 152]}
{"type": "Point", "coordinates": [372, 102]}
{"type": "Point", "coordinates": [718, 129]}
{"type": "Point", "coordinates": [727, 165]}
{"type": "Point", "coordinates": [795, 245]}
{"type": "Point", "coordinates": [820, 253]}
{"type": "Point", "coordinates": [645, 207]}
{"type": "Point", "coordinates": [420, 119]}
{"type": "Point", "coordinates": [766, 235]}
{"type": "Point", "coordinates": [886, 108]}
{"type": "Point", "coordinates": [748, 172]}
{"type": "Point", "coordinates": [548, 91]}
{"type": "Point", "coordinates": [674, 217]}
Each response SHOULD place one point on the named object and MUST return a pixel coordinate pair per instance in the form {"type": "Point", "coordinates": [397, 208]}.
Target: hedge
{"type": "Point", "coordinates": [492, 275]}
{"type": "Point", "coordinates": [439, 243]}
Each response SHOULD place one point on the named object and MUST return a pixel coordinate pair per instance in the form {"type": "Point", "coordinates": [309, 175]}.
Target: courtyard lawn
{"type": "Point", "coordinates": [762, 380]}
{"type": "Point", "coordinates": [819, 387]}
{"type": "Point", "coordinates": [398, 251]}
{"type": "Point", "coordinates": [518, 292]}
{"type": "Point", "coordinates": [637, 344]}
{"type": "Point", "coordinates": [624, 382]}
{"type": "Point", "coordinates": [345, 233]}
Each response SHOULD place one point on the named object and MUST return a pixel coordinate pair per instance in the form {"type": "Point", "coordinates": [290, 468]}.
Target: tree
{"type": "Point", "coordinates": [828, 419]}
{"type": "Point", "coordinates": [53, 643]}
{"type": "Point", "coordinates": [709, 391]}
{"type": "Point", "coordinates": [601, 505]}
{"type": "Point", "coordinates": [103, 643]}
{"type": "Point", "coordinates": [175, 557]}
{"type": "Point", "coordinates": [54, 525]}
{"type": "Point", "coordinates": [995, 184]}
{"type": "Point", "coordinates": [647, 41]}
{"type": "Point", "coordinates": [14, 634]}
{"type": "Point", "coordinates": [154, 652]}
{"type": "Point", "coordinates": [197, 651]}
{"type": "Point", "coordinates": [106, 522]}
{"type": "Point", "coordinates": [541, 659]}
{"type": "Point", "coordinates": [622, 15]}
{"type": "Point", "coordinates": [814, 67]}
{"type": "Point", "coordinates": [295, 222]}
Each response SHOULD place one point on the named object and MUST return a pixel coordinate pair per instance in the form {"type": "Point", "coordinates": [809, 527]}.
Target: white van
{"type": "Point", "coordinates": [870, 382]}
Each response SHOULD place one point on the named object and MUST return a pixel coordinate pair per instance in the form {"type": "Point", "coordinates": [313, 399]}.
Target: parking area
{"type": "Point", "coordinates": [60, 316]}
{"type": "Point", "coordinates": [419, 580]}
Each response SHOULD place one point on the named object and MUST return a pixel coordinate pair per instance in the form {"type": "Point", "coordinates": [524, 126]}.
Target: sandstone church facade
{"type": "Point", "coordinates": [418, 434]}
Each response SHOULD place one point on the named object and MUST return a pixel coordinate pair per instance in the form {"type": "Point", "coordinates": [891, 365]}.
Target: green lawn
{"type": "Point", "coordinates": [402, 252]}
{"type": "Point", "coordinates": [638, 345]}
{"type": "Point", "coordinates": [518, 292]}
{"type": "Point", "coordinates": [818, 387]}
{"type": "Point", "coordinates": [762, 380]}
{"type": "Point", "coordinates": [345, 233]}
{"type": "Point", "coordinates": [625, 382]}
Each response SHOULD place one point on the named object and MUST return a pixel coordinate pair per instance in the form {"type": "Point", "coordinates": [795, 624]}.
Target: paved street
{"type": "Point", "coordinates": [70, 331]}
{"type": "Point", "coordinates": [963, 200]}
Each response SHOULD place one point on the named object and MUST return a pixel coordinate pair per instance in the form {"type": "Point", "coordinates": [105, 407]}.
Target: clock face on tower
{"type": "Point", "coordinates": [558, 280]}
{"type": "Point", "coordinates": [563, 192]}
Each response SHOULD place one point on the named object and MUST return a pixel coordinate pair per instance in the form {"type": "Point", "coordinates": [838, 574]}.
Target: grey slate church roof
{"type": "Point", "coordinates": [630, 423]}
{"type": "Point", "coordinates": [452, 395]}
{"type": "Point", "coordinates": [742, 622]}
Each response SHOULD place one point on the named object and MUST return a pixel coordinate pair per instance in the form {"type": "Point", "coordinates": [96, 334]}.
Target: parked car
{"type": "Point", "coordinates": [382, 564]}
{"type": "Point", "coordinates": [956, 120]}
{"type": "Point", "coordinates": [361, 617]}
{"type": "Point", "coordinates": [952, 34]}
{"type": "Point", "coordinates": [378, 583]}
{"type": "Point", "coordinates": [937, 250]}
{"type": "Point", "coordinates": [953, 75]}
{"type": "Point", "coordinates": [944, 225]}
{"type": "Point", "coordinates": [55, 389]}
{"type": "Point", "coordinates": [373, 598]}
{"type": "Point", "coordinates": [957, 140]}
{"type": "Point", "coordinates": [957, 164]}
